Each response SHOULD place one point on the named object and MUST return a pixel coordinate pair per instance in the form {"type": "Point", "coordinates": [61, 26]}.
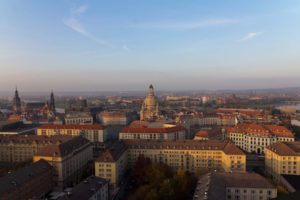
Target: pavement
{"type": "Point", "coordinates": [201, 191]}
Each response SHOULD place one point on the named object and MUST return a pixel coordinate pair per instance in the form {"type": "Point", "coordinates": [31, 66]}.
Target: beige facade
{"type": "Point", "coordinates": [21, 148]}
{"type": "Point", "coordinates": [283, 158]}
{"type": "Point", "coordinates": [95, 133]}
{"type": "Point", "coordinates": [192, 156]}
{"type": "Point", "coordinates": [68, 159]}
{"type": "Point", "coordinates": [255, 138]}
{"type": "Point", "coordinates": [172, 133]}
{"type": "Point", "coordinates": [112, 164]}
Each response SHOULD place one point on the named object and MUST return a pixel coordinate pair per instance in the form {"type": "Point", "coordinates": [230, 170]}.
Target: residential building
{"type": "Point", "coordinates": [95, 132]}
{"type": "Point", "coordinates": [112, 163]}
{"type": "Point", "coordinates": [92, 188]}
{"type": "Point", "coordinates": [79, 118]}
{"type": "Point", "coordinates": [30, 182]}
{"type": "Point", "coordinates": [21, 148]}
{"type": "Point", "coordinates": [254, 137]}
{"type": "Point", "coordinates": [243, 186]}
{"type": "Point", "coordinates": [69, 160]}
{"type": "Point", "coordinates": [164, 132]}
{"type": "Point", "coordinates": [283, 158]}
{"type": "Point", "coordinates": [190, 155]}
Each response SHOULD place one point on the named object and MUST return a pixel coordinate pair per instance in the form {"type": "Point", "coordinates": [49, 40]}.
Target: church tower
{"type": "Point", "coordinates": [52, 102]}
{"type": "Point", "coordinates": [16, 102]}
{"type": "Point", "coordinates": [149, 110]}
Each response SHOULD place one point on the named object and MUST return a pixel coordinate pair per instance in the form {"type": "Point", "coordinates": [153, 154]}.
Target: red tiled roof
{"type": "Point", "coordinates": [209, 133]}
{"type": "Point", "coordinates": [72, 126]}
{"type": "Point", "coordinates": [267, 130]}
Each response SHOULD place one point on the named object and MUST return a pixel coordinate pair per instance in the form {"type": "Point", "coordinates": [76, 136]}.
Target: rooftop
{"type": "Point", "coordinates": [222, 180]}
{"type": "Point", "coordinates": [63, 149]}
{"type": "Point", "coordinates": [72, 126]}
{"type": "Point", "coordinates": [23, 175]}
{"type": "Point", "coordinates": [263, 130]}
{"type": "Point", "coordinates": [286, 148]}
{"type": "Point", "coordinates": [86, 189]}
{"type": "Point", "coordinates": [226, 146]}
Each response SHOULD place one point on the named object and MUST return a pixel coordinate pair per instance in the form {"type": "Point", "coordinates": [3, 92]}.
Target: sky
{"type": "Point", "coordinates": [97, 45]}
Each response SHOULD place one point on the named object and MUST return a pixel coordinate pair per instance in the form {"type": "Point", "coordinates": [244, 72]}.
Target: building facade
{"type": "Point", "coordinates": [189, 155]}
{"type": "Point", "coordinates": [95, 132]}
{"type": "Point", "coordinates": [79, 118]}
{"type": "Point", "coordinates": [69, 160]}
{"type": "Point", "coordinates": [243, 186]}
{"type": "Point", "coordinates": [155, 133]}
{"type": "Point", "coordinates": [21, 148]}
{"type": "Point", "coordinates": [283, 158]}
{"type": "Point", "coordinates": [255, 138]}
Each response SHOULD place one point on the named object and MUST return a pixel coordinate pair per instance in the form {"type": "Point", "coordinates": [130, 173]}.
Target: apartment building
{"type": "Point", "coordinates": [166, 133]}
{"type": "Point", "coordinates": [21, 148]}
{"type": "Point", "coordinates": [242, 186]}
{"type": "Point", "coordinates": [112, 163]}
{"type": "Point", "coordinates": [30, 182]}
{"type": "Point", "coordinates": [189, 155]}
{"type": "Point", "coordinates": [283, 158]}
{"type": "Point", "coordinates": [94, 132]}
{"type": "Point", "coordinates": [254, 137]}
{"type": "Point", "coordinates": [68, 159]}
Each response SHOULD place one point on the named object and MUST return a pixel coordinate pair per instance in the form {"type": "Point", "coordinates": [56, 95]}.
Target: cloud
{"type": "Point", "coordinates": [187, 25]}
{"type": "Point", "coordinates": [125, 47]}
{"type": "Point", "coordinates": [80, 10]}
{"type": "Point", "coordinates": [250, 36]}
{"type": "Point", "coordinates": [73, 23]}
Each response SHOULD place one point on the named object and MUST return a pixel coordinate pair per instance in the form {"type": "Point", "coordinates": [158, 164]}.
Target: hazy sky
{"type": "Point", "coordinates": [127, 44]}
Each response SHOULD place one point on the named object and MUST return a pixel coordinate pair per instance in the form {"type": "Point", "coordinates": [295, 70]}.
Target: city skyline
{"type": "Point", "coordinates": [121, 46]}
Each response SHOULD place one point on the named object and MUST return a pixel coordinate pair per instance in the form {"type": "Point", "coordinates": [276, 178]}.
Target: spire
{"type": "Point", "coordinates": [16, 101]}
{"type": "Point", "coordinates": [52, 101]}
{"type": "Point", "coordinates": [151, 90]}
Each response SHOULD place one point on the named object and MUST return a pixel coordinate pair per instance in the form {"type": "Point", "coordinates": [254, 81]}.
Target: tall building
{"type": "Point", "coordinates": [16, 102]}
{"type": "Point", "coordinates": [52, 102]}
{"type": "Point", "coordinates": [69, 160]}
{"type": "Point", "coordinates": [149, 110]}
